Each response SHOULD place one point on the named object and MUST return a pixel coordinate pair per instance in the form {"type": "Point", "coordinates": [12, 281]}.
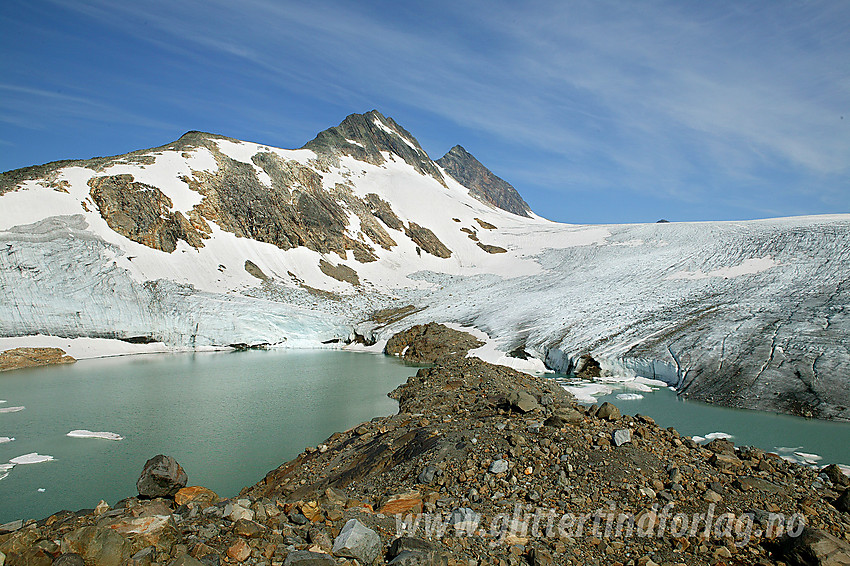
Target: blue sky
{"type": "Point", "coordinates": [596, 111]}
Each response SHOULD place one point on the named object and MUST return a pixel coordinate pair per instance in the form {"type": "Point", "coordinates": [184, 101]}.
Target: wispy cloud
{"type": "Point", "coordinates": [669, 99]}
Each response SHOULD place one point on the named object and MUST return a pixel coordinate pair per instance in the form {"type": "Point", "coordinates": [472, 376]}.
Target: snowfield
{"type": "Point", "coordinates": [749, 314]}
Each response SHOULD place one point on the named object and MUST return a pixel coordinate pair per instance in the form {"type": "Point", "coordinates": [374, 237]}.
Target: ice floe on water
{"type": "Point", "coordinates": [629, 396]}
{"type": "Point", "coordinates": [4, 469]}
{"type": "Point", "coordinates": [31, 458]}
{"type": "Point", "coordinates": [587, 391]}
{"type": "Point", "coordinates": [89, 434]}
{"type": "Point", "coordinates": [11, 409]}
{"type": "Point", "coordinates": [711, 436]}
{"type": "Point", "coordinates": [5, 439]}
{"type": "Point", "coordinates": [793, 454]}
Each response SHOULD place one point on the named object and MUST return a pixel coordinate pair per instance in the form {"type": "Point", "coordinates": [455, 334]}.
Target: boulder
{"type": "Point", "coordinates": [843, 501]}
{"type": "Point", "coordinates": [522, 401]}
{"type": "Point", "coordinates": [622, 436]}
{"type": "Point", "coordinates": [814, 548]}
{"type": "Point", "coordinates": [836, 475]}
{"type": "Point", "coordinates": [185, 560]}
{"type": "Point", "coordinates": [98, 545]}
{"type": "Point", "coordinates": [608, 412]}
{"type": "Point", "coordinates": [162, 476]}
{"type": "Point", "coordinates": [239, 551]}
{"type": "Point", "coordinates": [158, 531]}
{"type": "Point", "coordinates": [721, 446]}
{"type": "Point", "coordinates": [725, 462]}
{"type": "Point", "coordinates": [356, 540]}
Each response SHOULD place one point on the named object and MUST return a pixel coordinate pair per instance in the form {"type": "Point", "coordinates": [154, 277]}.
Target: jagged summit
{"type": "Point", "coordinates": [365, 136]}
{"type": "Point", "coordinates": [482, 183]}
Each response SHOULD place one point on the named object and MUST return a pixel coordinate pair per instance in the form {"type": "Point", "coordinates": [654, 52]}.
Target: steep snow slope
{"type": "Point", "coordinates": [211, 241]}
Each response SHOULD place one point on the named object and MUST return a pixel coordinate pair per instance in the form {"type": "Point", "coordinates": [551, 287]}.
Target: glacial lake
{"type": "Point", "coordinates": [227, 417]}
{"type": "Point", "coordinates": [797, 439]}
{"type": "Point", "coordinates": [230, 417]}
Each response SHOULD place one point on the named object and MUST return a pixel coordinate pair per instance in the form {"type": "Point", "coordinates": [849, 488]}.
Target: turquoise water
{"type": "Point", "coordinates": [227, 417]}
{"type": "Point", "coordinates": [783, 434]}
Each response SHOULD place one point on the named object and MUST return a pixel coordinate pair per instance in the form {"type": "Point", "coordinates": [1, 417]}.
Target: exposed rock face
{"type": "Point", "coordinates": [18, 358]}
{"type": "Point", "coordinates": [365, 136]}
{"type": "Point", "coordinates": [142, 213]}
{"type": "Point", "coordinates": [162, 476]}
{"type": "Point", "coordinates": [427, 240]}
{"type": "Point", "coordinates": [428, 343]}
{"type": "Point", "coordinates": [339, 272]}
{"type": "Point", "coordinates": [481, 182]}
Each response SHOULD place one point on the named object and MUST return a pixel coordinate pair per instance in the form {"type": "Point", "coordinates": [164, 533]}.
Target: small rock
{"type": "Point", "coordinates": [101, 508]}
{"type": "Point", "coordinates": [239, 551]}
{"type": "Point", "coordinates": [403, 502]}
{"type": "Point", "coordinates": [712, 496]}
{"type": "Point", "coordinates": [522, 401]}
{"type": "Point", "coordinates": [307, 558]}
{"type": "Point", "coordinates": [622, 436]}
{"type": "Point", "coordinates": [234, 512]}
{"type": "Point", "coordinates": [197, 494]}
{"type": "Point", "coordinates": [161, 476]}
{"type": "Point", "coordinates": [426, 476]}
{"type": "Point", "coordinates": [356, 540]}
{"type": "Point", "coordinates": [726, 462]}
{"type": "Point", "coordinates": [608, 412]}
{"type": "Point", "coordinates": [67, 559]}
{"type": "Point", "coordinates": [185, 560]}
{"type": "Point", "coordinates": [498, 467]}
{"type": "Point", "coordinates": [247, 528]}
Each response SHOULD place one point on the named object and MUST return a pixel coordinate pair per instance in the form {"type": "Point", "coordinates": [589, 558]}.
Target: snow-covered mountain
{"type": "Point", "coordinates": [210, 241]}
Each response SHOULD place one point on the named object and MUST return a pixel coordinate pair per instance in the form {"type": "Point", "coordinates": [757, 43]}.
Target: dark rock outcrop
{"type": "Point", "coordinates": [425, 344]}
{"type": "Point", "coordinates": [482, 183]}
{"type": "Point", "coordinates": [365, 136]}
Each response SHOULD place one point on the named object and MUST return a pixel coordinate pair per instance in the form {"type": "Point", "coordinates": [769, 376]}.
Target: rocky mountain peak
{"type": "Point", "coordinates": [366, 136]}
{"type": "Point", "coordinates": [482, 183]}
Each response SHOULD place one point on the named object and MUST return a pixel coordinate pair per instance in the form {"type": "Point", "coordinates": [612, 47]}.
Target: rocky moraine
{"type": "Point", "coordinates": [481, 465]}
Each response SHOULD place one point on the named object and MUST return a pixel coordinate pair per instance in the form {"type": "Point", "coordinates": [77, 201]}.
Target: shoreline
{"type": "Point", "coordinates": [472, 439]}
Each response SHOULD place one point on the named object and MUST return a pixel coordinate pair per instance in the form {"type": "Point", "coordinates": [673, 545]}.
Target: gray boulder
{"type": "Point", "coordinates": [522, 401]}
{"type": "Point", "coordinates": [356, 540]}
{"type": "Point", "coordinates": [622, 436]}
{"type": "Point", "coordinates": [162, 476]}
{"type": "Point", "coordinates": [814, 548]}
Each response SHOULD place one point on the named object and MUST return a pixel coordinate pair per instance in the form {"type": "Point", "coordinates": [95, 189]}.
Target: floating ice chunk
{"type": "Point", "coordinates": [11, 409]}
{"type": "Point", "coordinates": [586, 392]}
{"type": "Point", "coordinates": [716, 435]}
{"type": "Point", "coordinates": [89, 434]}
{"type": "Point", "coordinates": [41, 490]}
{"type": "Point", "coordinates": [31, 458]}
{"type": "Point", "coordinates": [808, 458]}
{"type": "Point", "coordinates": [5, 439]}
{"type": "Point", "coordinates": [629, 396]}
{"type": "Point", "coordinates": [2, 401]}
{"type": "Point", "coordinates": [698, 438]}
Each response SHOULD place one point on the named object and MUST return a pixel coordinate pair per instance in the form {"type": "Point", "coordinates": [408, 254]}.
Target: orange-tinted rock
{"type": "Point", "coordinates": [402, 503]}
{"type": "Point", "coordinates": [18, 358]}
{"type": "Point", "coordinates": [196, 494]}
{"type": "Point", "coordinates": [239, 551]}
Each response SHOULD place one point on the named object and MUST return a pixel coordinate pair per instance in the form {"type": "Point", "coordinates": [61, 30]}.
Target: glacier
{"type": "Point", "coordinates": [749, 314]}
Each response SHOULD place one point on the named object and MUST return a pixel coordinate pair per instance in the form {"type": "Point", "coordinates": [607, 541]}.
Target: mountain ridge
{"type": "Point", "coordinates": [210, 241]}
